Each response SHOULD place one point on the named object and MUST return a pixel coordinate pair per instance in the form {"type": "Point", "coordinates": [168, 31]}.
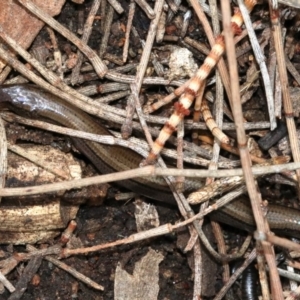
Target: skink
{"type": "Point", "coordinates": [109, 159]}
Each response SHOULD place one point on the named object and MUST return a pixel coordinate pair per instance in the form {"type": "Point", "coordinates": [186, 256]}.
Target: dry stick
{"type": "Point", "coordinates": [10, 263]}
{"type": "Point", "coordinates": [180, 166]}
{"type": "Point", "coordinates": [5, 73]}
{"type": "Point", "coordinates": [146, 8]}
{"type": "Point", "coordinates": [3, 172]}
{"type": "Point", "coordinates": [218, 109]}
{"type": "Point", "coordinates": [142, 68]}
{"type": "Point", "coordinates": [68, 233]}
{"type": "Point", "coordinates": [273, 78]}
{"type": "Point", "coordinates": [117, 6]}
{"type": "Point", "coordinates": [107, 28]}
{"type": "Point", "coordinates": [183, 206]}
{"type": "Point", "coordinates": [173, 9]}
{"type": "Point", "coordinates": [3, 154]}
{"type": "Point", "coordinates": [287, 103]}
{"type": "Point", "coordinates": [126, 128]}
{"type": "Point", "coordinates": [128, 29]}
{"type": "Point", "coordinates": [216, 147]}
{"type": "Point", "coordinates": [159, 70]}
{"type": "Point", "coordinates": [185, 24]}
{"type": "Point", "coordinates": [6, 283]}
{"type": "Point", "coordinates": [223, 185]}
{"type": "Point", "coordinates": [87, 30]}
{"type": "Point", "coordinates": [112, 97]}
{"type": "Point", "coordinates": [226, 126]}
{"type": "Point", "coordinates": [112, 75]}
{"type": "Point", "coordinates": [148, 45]}
{"type": "Point", "coordinates": [103, 88]}
{"type": "Point", "coordinates": [80, 20]}
{"type": "Point", "coordinates": [291, 68]}
{"type": "Point", "coordinates": [201, 47]}
{"type": "Point", "coordinates": [134, 173]}
{"type": "Point", "coordinates": [103, 139]}
{"type": "Point", "coordinates": [161, 27]}
{"type": "Point", "coordinates": [262, 225]}
{"type": "Point", "coordinates": [70, 270]}
{"type": "Point", "coordinates": [261, 266]}
{"type": "Point", "coordinates": [99, 66]}
{"type": "Point", "coordinates": [198, 270]}
{"type": "Point", "coordinates": [92, 107]}
{"type": "Point", "coordinates": [143, 65]}
{"type": "Point", "coordinates": [222, 249]}
{"type": "Point", "coordinates": [102, 14]}
{"type": "Point", "coordinates": [261, 62]}
{"type": "Point", "coordinates": [56, 51]}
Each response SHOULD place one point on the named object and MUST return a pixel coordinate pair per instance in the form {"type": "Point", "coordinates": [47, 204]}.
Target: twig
{"type": "Point", "coordinates": [198, 270]}
{"type": "Point", "coordinates": [116, 5]}
{"type": "Point", "coordinates": [87, 30]}
{"type": "Point", "coordinates": [107, 27]}
{"type": "Point", "coordinates": [3, 155]}
{"type": "Point", "coordinates": [70, 270]}
{"type": "Point", "coordinates": [261, 62]}
{"type": "Point", "coordinates": [287, 103]}
{"type": "Point", "coordinates": [6, 283]}
{"type": "Point", "coordinates": [262, 225]}
{"type": "Point", "coordinates": [56, 52]}
{"type": "Point", "coordinates": [282, 242]}
{"type": "Point", "coordinates": [140, 172]}
{"type": "Point", "coordinates": [146, 8]}
{"type": "Point", "coordinates": [128, 29]}
{"type": "Point", "coordinates": [261, 263]}
{"type": "Point", "coordinates": [180, 136]}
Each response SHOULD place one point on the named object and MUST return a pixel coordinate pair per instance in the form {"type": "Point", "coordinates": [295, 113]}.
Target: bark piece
{"type": "Point", "coordinates": [143, 284]}
{"type": "Point", "coordinates": [27, 223]}
{"type": "Point", "coordinates": [146, 216]}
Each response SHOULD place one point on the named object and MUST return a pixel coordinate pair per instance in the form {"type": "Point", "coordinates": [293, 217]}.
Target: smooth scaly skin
{"type": "Point", "coordinates": [109, 159]}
